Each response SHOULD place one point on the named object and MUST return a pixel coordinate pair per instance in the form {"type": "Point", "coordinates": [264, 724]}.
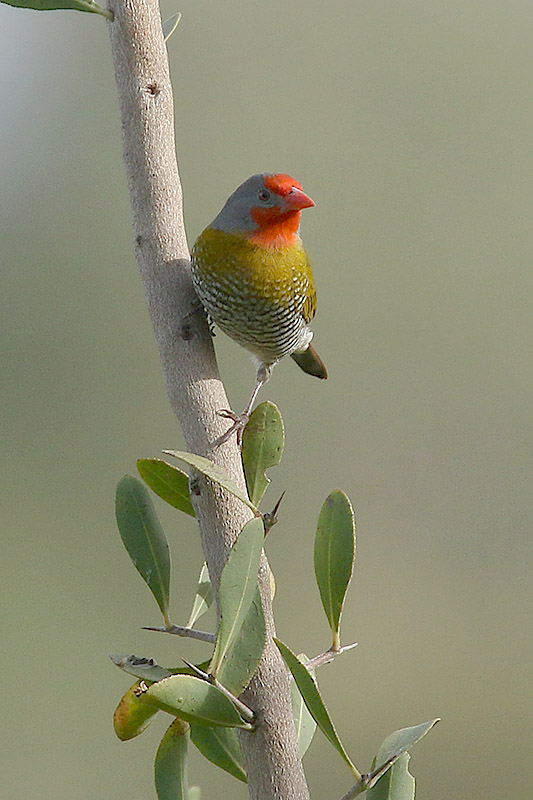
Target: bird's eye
{"type": "Point", "coordinates": [264, 195]}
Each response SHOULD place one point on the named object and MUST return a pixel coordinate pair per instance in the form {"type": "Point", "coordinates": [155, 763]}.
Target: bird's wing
{"type": "Point", "coordinates": [309, 306]}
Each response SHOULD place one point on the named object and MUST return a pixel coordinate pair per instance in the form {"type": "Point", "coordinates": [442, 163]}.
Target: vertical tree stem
{"type": "Point", "coordinates": [194, 388]}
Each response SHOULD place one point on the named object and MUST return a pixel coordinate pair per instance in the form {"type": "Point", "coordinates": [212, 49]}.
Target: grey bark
{"type": "Point", "coordinates": [194, 388]}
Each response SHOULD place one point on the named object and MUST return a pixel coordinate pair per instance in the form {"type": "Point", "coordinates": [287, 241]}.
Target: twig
{"type": "Point", "coordinates": [327, 656]}
{"type": "Point", "coordinates": [190, 633]}
{"type": "Point", "coordinates": [368, 780]}
{"type": "Point", "coordinates": [359, 788]}
{"type": "Point", "coordinates": [245, 712]}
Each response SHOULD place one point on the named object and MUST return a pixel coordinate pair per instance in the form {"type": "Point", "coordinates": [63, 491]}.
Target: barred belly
{"type": "Point", "coordinates": [270, 330]}
{"type": "Point", "coordinates": [262, 298]}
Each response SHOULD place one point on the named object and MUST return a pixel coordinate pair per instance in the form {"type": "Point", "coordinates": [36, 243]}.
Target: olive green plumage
{"type": "Point", "coordinates": [261, 297]}
{"type": "Point", "coordinates": [254, 279]}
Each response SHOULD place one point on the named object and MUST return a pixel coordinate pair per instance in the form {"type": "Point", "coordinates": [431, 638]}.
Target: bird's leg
{"type": "Point", "coordinates": [241, 420]}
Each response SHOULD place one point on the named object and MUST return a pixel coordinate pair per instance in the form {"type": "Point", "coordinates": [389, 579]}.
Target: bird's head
{"type": "Point", "coordinates": [266, 209]}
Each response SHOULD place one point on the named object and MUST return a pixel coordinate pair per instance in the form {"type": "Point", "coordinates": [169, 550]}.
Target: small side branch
{"type": "Point", "coordinates": [355, 790]}
{"type": "Point", "coordinates": [190, 633]}
{"type": "Point", "coordinates": [327, 656]}
{"type": "Point", "coordinates": [245, 712]}
{"type": "Point", "coordinates": [368, 780]}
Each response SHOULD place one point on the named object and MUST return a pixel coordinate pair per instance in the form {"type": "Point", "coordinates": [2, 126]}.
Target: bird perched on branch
{"type": "Point", "coordinates": [254, 279]}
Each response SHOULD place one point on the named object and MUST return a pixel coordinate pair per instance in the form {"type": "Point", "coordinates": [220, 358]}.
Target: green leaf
{"type": "Point", "coordinates": [243, 656]}
{"type": "Point", "coordinates": [144, 668]}
{"type": "Point", "coordinates": [334, 557]}
{"type": "Point", "coordinates": [132, 717]}
{"type": "Point", "coordinates": [396, 744]}
{"type": "Point", "coordinates": [214, 473]}
{"type": "Point", "coordinates": [171, 778]}
{"type": "Point", "coordinates": [304, 722]}
{"type": "Point", "coordinates": [396, 784]}
{"type": "Point", "coordinates": [170, 25]}
{"type": "Point", "coordinates": [238, 585]}
{"type": "Point", "coordinates": [54, 5]}
{"type": "Point", "coordinates": [194, 700]}
{"type": "Point", "coordinates": [313, 701]}
{"type": "Point", "coordinates": [169, 483]}
{"type": "Point", "coordinates": [221, 747]}
{"type": "Point", "coordinates": [262, 447]}
{"type": "Point", "coordinates": [144, 539]}
{"type": "Point", "coordinates": [204, 597]}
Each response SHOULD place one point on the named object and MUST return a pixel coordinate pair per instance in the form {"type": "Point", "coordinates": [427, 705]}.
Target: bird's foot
{"type": "Point", "coordinates": [240, 422]}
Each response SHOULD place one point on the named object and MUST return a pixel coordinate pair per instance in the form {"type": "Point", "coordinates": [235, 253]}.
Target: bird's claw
{"type": "Point", "coordinates": [240, 422]}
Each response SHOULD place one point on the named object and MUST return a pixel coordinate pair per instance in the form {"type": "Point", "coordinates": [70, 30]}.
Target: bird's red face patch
{"type": "Point", "coordinates": [281, 184]}
{"type": "Point", "coordinates": [275, 229]}
{"type": "Point", "coordinates": [278, 225]}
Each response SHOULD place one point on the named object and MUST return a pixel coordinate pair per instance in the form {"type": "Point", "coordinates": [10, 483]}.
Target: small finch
{"type": "Point", "coordinates": [254, 279]}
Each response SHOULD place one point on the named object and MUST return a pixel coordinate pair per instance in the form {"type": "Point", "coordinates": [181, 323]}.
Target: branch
{"type": "Point", "coordinates": [327, 656]}
{"type": "Point", "coordinates": [194, 388]}
{"type": "Point", "coordinates": [190, 633]}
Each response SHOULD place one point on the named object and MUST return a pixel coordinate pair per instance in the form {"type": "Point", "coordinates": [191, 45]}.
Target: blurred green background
{"type": "Point", "coordinates": [411, 126]}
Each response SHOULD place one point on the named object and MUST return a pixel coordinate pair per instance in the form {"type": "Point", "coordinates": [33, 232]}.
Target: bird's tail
{"type": "Point", "coordinates": [310, 362]}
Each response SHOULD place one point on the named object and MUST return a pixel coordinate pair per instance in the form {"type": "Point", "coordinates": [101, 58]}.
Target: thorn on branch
{"type": "Point", "coordinates": [270, 518]}
{"type": "Point", "coordinates": [199, 672]}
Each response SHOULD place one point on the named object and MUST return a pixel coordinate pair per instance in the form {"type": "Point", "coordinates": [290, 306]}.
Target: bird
{"type": "Point", "coordinates": [254, 279]}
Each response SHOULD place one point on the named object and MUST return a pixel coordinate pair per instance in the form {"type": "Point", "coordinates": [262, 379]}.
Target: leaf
{"type": "Point", "coordinates": [170, 25]}
{"type": "Point", "coordinates": [194, 700]}
{"type": "Point", "coordinates": [396, 784]}
{"type": "Point", "coordinates": [169, 483]}
{"type": "Point", "coordinates": [243, 657]}
{"type": "Point", "coordinates": [397, 743]}
{"type": "Point", "coordinates": [143, 668]}
{"type": "Point", "coordinates": [238, 585]}
{"type": "Point", "coordinates": [146, 669]}
{"type": "Point", "coordinates": [132, 717]}
{"type": "Point", "coordinates": [221, 747]}
{"type": "Point", "coordinates": [214, 473]}
{"type": "Point", "coordinates": [313, 701]}
{"type": "Point", "coordinates": [171, 778]}
{"type": "Point", "coordinates": [195, 793]}
{"type": "Point", "coordinates": [204, 597]}
{"type": "Point", "coordinates": [144, 539]}
{"type": "Point", "coordinates": [54, 5]}
{"type": "Point", "coordinates": [334, 557]}
{"type": "Point", "coordinates": [303, 721]}
{"type": "Point", "coordinates": [262, 447]}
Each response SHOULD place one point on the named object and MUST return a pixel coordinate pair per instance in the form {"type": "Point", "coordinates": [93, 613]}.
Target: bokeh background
{"type": "Point", "coordinates": [411, 126]}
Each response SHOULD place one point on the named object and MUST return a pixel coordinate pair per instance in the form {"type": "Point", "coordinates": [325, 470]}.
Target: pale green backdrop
{"type": "Point", "coordinates": [411, 126]}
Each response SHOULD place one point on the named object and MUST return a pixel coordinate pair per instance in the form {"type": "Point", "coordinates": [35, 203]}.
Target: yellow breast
{"type": "Point", "coordinates": [230, 270]}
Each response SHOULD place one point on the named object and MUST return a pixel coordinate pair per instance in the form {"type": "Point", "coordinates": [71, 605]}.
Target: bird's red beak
{"type": "Point", "coordinates": [297, 199]}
